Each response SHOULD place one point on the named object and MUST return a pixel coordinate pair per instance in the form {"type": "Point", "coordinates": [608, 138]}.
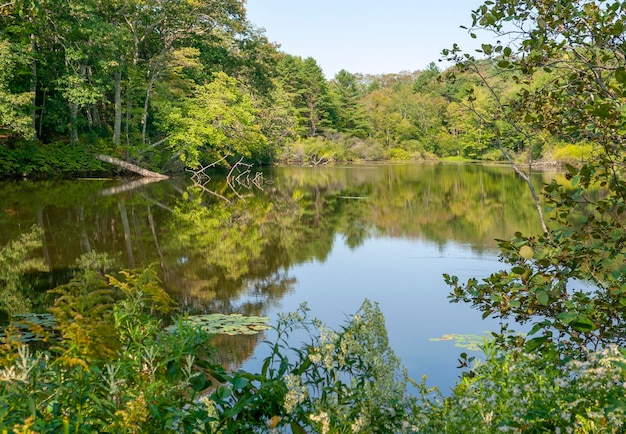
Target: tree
{"type": "Point", "coordinates": [217, 122]}
{"type": "Point", "coordinates": [14, 106]}
{"type": "Point", "coordinates": [571, 280]}
{"type": "Point", "coordinates": [351, 116]}
{"type": "Point", "coordinates": [304, 81]}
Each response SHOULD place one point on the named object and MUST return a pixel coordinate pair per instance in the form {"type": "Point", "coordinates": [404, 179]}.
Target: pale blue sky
{"type": "Point", "coordinates": [366, 36]}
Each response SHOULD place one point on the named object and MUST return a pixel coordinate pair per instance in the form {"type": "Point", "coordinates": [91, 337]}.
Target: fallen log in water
{"type": "Point", "coordinates": [131, 167]}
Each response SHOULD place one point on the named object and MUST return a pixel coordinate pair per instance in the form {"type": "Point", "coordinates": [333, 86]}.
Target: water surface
{"type": "Point", "coordinates": [263, 244]}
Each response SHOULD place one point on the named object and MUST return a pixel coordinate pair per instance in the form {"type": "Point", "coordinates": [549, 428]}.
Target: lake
{"type": "Point", "coordinates": [263, 243]}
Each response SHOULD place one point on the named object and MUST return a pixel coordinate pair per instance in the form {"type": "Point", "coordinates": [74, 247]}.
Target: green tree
{"type": "Point", "coordinates": [571, 280]}
{"type": "Point", "coordinates": [14, 106]}
{"type": "Point", "coordinates": [351, 116]}
{"type": "Point", "coordinates": [306, 85]}
{"type": "Point", "coordinates": [217, 122]}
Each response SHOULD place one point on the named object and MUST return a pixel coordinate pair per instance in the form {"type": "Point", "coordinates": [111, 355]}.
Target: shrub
{"type": "Point", "coordinates": [519, 392]}
{"type": "Point", "coordinates": [574, 153]}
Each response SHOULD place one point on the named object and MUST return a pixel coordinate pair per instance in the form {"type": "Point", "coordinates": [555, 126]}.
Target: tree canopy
{"type": "Point", "coordinates": [134, 80]}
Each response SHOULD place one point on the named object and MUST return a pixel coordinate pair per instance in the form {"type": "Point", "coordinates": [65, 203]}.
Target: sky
{"type": "Point", "coordinates": [365, 36]}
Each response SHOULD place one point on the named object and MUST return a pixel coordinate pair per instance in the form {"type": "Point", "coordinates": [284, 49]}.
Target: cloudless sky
{"type": "Point", "coordinates": [365, 36]}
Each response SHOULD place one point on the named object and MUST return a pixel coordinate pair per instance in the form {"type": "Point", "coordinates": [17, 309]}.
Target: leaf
{"type": "Point", "coordinates": [526, 252]}
{"type": "Point", "coordinates": [518, 270]}
{"type": "Point", "coordinates": [583, 325]}
{"type": "Point", "coordinates": [297, 429]}
{"type": "Point", "coordinates": [620, 75]}
{"type": "Point", "coordinates": [535, 343]}
{"type": "Point", "coordinates": [567, 317]}
{"type": "Point", "coordinates": [542, 297]}
{"type": "Point", "coordinates": [222, 392]}
{"type": "Point", "coordinates": [239, 382]}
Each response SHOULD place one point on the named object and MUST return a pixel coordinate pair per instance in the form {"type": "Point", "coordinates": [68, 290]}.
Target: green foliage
{"type": "Point", "coordinates": [15, 261]}
{"type": "Point", "coordinates": [568, 281]}
{"type": "Point", "coordinates": [14, 106]}
{"type": "Point", "coordinates": [145, 379]}
{"type": "Point", "coordinates": [343, 381]}
{"type": "Point", "coordinates": [574, 154]}
{"type": "Point", "coordinates": [163, 379]}
{"type": "Point", "coordinates": [60, 160]}
{"type": "Point", "coordinates": [216, 123]}
{"type": "Point", "coordinates": [526, 393]}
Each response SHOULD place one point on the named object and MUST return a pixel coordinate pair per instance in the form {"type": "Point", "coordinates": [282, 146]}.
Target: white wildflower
{"type": "Point", "coordinates": [322, 418]}
{"type": "Point", "coordinates": [296, 392]}
{"type": "Point", "coordinates": [359, 424]}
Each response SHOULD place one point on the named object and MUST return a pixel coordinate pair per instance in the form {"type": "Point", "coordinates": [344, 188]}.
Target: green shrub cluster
{"type": "Point", "coordinates": [60, 160]}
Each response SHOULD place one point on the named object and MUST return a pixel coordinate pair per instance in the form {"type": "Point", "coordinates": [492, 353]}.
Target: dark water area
{"type": "Point", "coordinates": [260, 245]}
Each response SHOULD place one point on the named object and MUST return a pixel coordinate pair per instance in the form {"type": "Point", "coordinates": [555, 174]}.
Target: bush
{"type": "Point", "coordinates": [520, 392]}
{"type": "Point", "coordinates": [574, 153]}
{"type": "Point", "coordinates": [33, 160]}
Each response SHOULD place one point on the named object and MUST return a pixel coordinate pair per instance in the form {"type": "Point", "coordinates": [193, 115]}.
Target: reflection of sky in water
{"type": "Point", "coordinates": [405, 278]}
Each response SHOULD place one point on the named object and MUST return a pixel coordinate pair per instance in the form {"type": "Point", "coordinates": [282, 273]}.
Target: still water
{"type": "Point", "coordinates": [261, 244]}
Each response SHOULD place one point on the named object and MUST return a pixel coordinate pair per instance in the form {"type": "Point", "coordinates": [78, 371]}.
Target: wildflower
{"type": "Point", "coordinates": [296, 392]}
{"type": "Point", "coordinates": [488, 417]}
{"type": "Point", "coordinates": [359, 424]}
{"type": "Point", "coordinates": [322, 418]}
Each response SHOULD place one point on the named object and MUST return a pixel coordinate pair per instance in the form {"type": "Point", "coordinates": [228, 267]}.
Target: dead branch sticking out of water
{"type": "Point", "coordinates": [239, 176]}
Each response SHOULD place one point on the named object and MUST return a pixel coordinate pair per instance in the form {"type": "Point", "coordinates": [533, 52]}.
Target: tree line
{"type": "Point", "coordinates": [183, 84]}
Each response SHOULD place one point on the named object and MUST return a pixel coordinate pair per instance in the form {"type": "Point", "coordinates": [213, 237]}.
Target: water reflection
{"type": "Point", "coordinates": [330, 236]}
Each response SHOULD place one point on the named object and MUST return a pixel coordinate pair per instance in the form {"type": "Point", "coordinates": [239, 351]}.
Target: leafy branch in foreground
{"type": "Point", "coordinates": [570, 281]}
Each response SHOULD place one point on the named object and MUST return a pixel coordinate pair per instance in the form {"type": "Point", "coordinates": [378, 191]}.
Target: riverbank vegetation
{"type": "Point", "coordinates": [187, 84]}
{"type": "Point", "coordinates": [558, 83]}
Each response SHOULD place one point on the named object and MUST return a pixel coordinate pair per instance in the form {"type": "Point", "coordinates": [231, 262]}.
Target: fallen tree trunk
{"type": "Point", "coordinates": [131, 167]}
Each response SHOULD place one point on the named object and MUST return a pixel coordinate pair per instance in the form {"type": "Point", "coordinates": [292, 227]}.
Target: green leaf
{"type": "Point", "coordinates": [567, 317]}
{"type": "Point", "coordinates": [542, 297]}
{"type": "Point", "coordinates": [535, 343]}
{"type": "Point", "coordinates": [583, 324]}
{"type": "Point", "coordinates": [222, 392]}
{"type": "Point", "coordinates": [297, 429]}
{"type": "Point", "coordinates": [239, 382]}
{"type": "Point", "coordinates": [620, 75]}
{"type": "Point", "coordinates": [518, 270]}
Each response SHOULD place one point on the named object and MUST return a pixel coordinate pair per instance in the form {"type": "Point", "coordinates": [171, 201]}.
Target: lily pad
{"type": "Point", "coordinates": [231, 324]}
{"type": "Point", "coordinates": [33, 327]}
{"type": "Point", "coordinates": [469, 342]}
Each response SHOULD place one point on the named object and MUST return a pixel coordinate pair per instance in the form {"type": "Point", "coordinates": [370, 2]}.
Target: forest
{"type": "Point", "coordinates": [170, 85]}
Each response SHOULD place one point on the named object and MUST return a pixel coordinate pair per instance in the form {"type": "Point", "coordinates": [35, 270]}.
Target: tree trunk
{"type": "Point", "coordinates": [131, 167]}
{"type": "Point", "coordinates": [117, 127]}
{"type": "Point", "coordinates": [33, 85]}
{"type": "Point", "coordinates": [73, 121]}
{"type": "Point", "coordinates": [146, 105]}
